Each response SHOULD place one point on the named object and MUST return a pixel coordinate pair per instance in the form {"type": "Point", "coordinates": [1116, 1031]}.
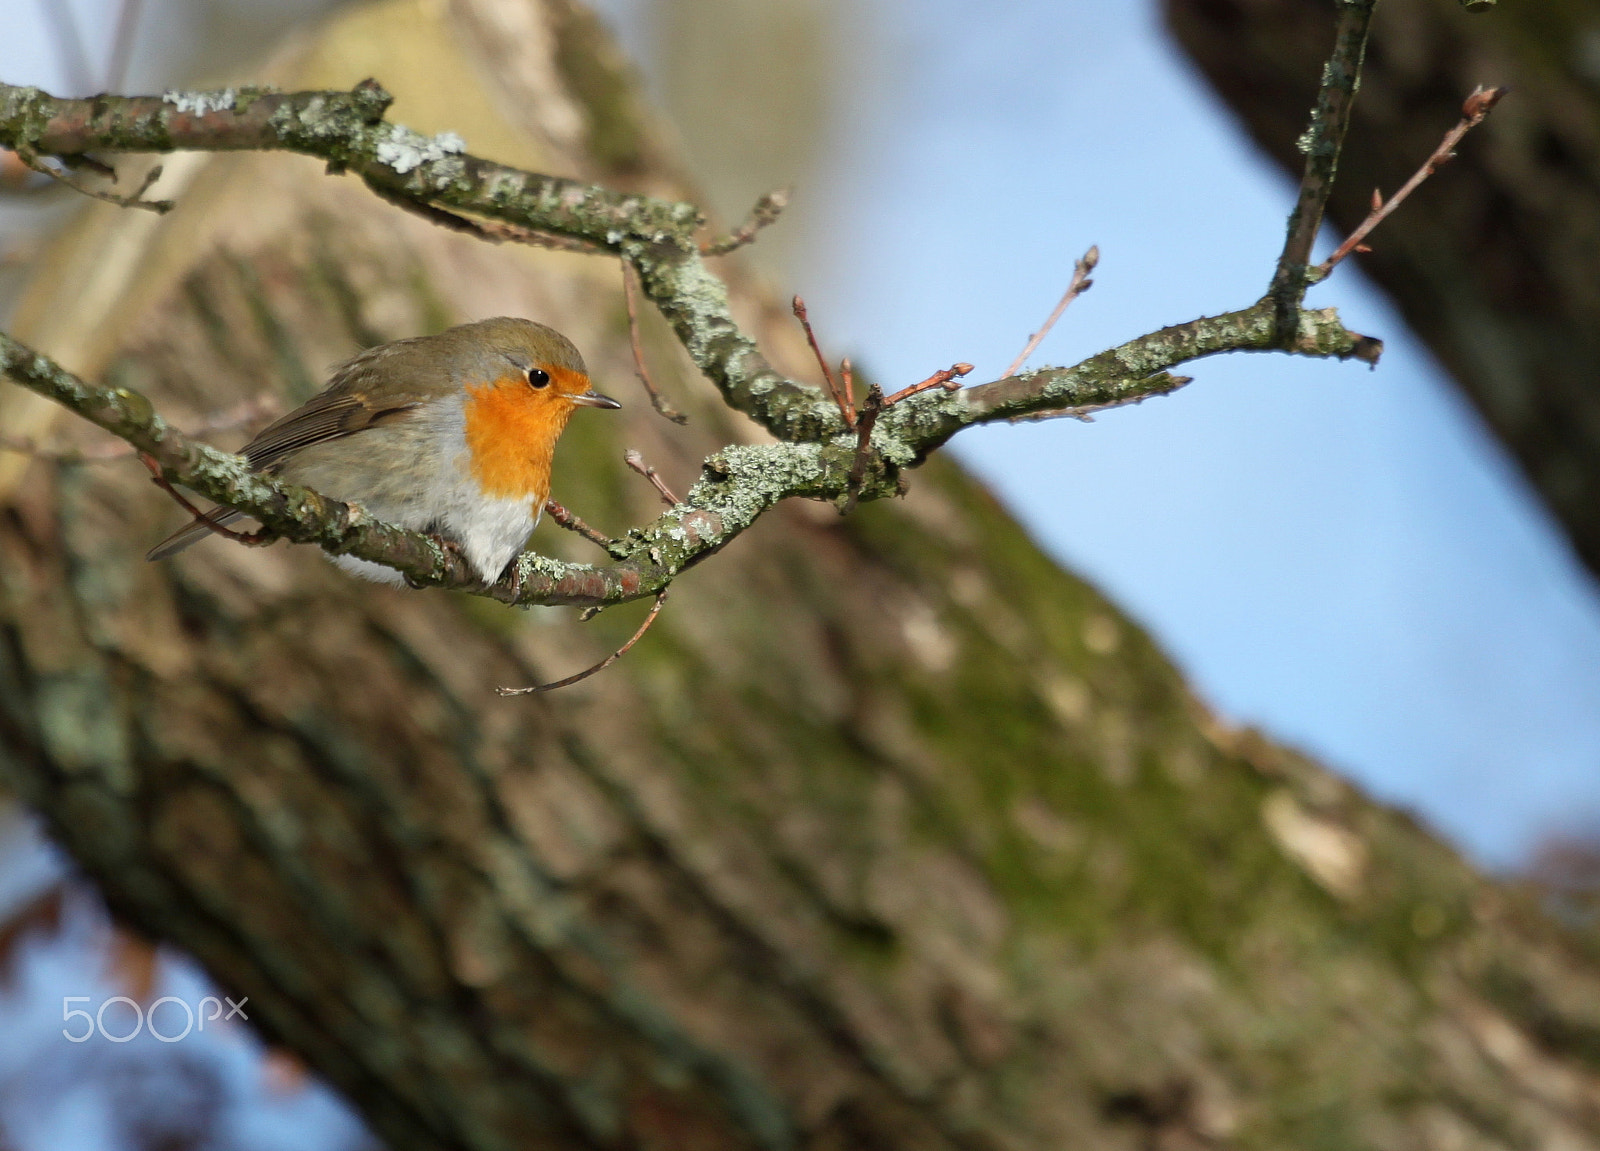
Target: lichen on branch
{"type": "Point", "coordinates": [820, 453]}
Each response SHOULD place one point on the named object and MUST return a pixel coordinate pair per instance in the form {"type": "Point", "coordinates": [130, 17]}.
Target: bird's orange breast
{"type": "Point", "coordinates": [511, 432]}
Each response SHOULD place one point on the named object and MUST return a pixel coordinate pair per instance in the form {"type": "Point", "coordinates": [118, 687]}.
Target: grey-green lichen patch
{"type": "Point", "coordinates": [505, 186]}
{"type": "Point", "coordinates": [19, 100]}
{"type": "Point", "coordinates": [893, 448]}
{"type": "Point", "coordinates": [535, 566]}
{"type": "Point", "coordinates": [1127, 372]}
{"type": "Point", "coordinates": [200, 103]}
{"type": "Point", "coordinates": [244, 97]}
{"type": "Point", "coordinates": [404, 150]}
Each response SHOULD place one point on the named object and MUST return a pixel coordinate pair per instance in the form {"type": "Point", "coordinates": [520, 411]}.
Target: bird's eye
{"type": "Point", "coordinates": [538, 378]}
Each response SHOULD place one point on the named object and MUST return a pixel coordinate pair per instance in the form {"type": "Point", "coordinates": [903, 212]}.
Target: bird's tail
{"type": "Point", "coordinates": [191, 533]}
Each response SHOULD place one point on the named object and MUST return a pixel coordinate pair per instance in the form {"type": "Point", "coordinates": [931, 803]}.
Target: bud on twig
{"type": "Point", "coordinates": [1478, 105]}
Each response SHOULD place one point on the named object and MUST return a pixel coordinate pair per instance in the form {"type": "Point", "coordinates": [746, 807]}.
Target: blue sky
{"type": "Point", "coordinates": [1340, 556]}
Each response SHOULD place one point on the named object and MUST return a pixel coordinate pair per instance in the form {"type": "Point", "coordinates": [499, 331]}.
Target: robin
{"type": "Point", "coordinates": [452, 434]}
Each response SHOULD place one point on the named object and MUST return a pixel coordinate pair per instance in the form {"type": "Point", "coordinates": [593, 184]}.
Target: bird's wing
{"type": "Point", "coordinates": [351, 402]}
{"type": "Point", "coordinates": [382, 384]}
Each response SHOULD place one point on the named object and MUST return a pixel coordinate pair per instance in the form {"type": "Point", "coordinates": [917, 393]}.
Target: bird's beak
{"type": "Point", "coordinates": [594, 400]}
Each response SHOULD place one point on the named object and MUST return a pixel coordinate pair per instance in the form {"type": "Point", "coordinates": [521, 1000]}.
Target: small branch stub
{"type": "Point", "coordinates": [766, 212]}
{"type": "Point", "coordinates": [858, 467]}
{"type": "Point", "coordinates": [636, 461]}
{"type": "Point", "coordinates": [1079, 284]}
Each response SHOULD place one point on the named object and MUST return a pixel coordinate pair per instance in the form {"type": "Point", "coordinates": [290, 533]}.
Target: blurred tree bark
{"type": "Point", "coordinates": [1496, 264]}
{"type": "Point", "coordinates": [789, 63]}
{"type": "Point", "coordinates": [890, 835]}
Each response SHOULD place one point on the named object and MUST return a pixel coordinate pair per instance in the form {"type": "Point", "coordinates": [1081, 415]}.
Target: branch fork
{"type": "Point", "coordinates": [655, 238]}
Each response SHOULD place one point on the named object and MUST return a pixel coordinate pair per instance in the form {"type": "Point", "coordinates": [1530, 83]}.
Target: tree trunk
{"type": "Point", "coordinates": [1496, 262]}
{"type": "Point", "coordinates": [889, 835]}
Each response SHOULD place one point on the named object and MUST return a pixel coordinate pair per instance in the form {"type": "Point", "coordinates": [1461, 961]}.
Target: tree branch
{"type": "Point", "coordinates": [818, 455]}
{"type": "Point", "coordinates": [1320, 143]}
{"type": "Point", "coordinates": [1129, 372]}
{"type": "Point", "coordinates": [347, 129]}
{"type": "Point", "coordinates": [737, 485]}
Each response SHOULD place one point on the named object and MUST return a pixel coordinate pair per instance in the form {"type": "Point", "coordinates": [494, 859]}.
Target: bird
{"type": "Point", "coordinates": [451, 434]}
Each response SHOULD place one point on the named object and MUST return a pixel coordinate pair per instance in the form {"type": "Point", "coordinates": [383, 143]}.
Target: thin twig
{"type": "Point", "coordinates": [635, 461]}
{"type": "Point", "coordinates": [847, 378]}
{"type": "Point", "coordinates": [1080, 284]}
{"type": "Point", "coordinates": [858, 467]}
{"type": "Point", "coordinates": [655, 610]}
{"type": "Point", "coordinates": [254, 539]}
{"type": "Point", "coordinates": [159, 207]}
{"type": "Point", "coordinates": [944, 377]}
{"type": "Point", "coordinates": [573, 523]}
{"type": "Point", "coordinates": [766, 211]}
{"type": "Point", "coordinates": [639, 368]}
{"type": "Point", "coordinates": [1473, 111]}
{"type": "Point", "coordinates": [847, 411]}
{"type": "Point", "coordinates": [1321, 143]}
